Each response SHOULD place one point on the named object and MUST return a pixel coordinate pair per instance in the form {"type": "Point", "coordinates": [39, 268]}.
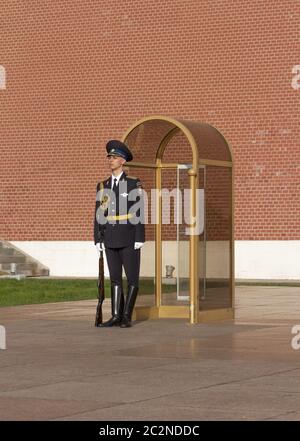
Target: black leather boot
{"type": "Point", "coordinates": [129, 305]}
{"type": "Point", "coordinates": [117, 306]}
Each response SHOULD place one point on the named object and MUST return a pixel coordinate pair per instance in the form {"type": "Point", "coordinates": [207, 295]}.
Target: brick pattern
{"type": "Point", "coordinates": [79, 73]}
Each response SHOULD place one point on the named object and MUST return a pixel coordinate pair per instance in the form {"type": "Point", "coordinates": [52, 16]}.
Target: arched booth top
{"type": "Point", "coordinates": [148, 138]}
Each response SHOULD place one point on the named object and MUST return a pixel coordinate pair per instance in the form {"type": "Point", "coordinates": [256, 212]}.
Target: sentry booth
{"type": "Point", "coordinates": [187, 262]}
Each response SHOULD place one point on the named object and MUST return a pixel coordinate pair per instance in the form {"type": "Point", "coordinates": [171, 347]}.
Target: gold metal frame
{"type": "Point", "coordinates": [193, 313]}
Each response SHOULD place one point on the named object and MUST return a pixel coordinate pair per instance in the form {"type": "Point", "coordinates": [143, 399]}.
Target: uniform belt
{"type": "Point", "coordinates": [120, 217]}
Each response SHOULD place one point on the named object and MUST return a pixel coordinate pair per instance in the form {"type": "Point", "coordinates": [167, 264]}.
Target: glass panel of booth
{"type": "Point", "coordinates": [183, 239]}
{"type": "Point", "coordinates": [169, 263]}
{"type": "Point", "coordinates": [176, 221]}
{"type": "Point", "coordinates": [215, 287]}
{"type": "Point", "coordinates": [202, 231]}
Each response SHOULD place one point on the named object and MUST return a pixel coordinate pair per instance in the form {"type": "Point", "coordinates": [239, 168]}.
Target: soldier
{"type": "Point", "coordinates": [120, 230]}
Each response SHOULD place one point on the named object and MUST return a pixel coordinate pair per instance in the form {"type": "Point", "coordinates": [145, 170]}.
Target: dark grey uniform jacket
{"type": "Point", "coordinates": [120, 229]}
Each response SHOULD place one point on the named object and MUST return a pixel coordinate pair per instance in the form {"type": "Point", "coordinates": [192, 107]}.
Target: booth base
{"type": "Point", "coordinates": [141, 313]}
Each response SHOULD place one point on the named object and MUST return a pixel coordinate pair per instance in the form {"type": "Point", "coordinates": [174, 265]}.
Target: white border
{"type": "Point", "coordinates": [274, 260]}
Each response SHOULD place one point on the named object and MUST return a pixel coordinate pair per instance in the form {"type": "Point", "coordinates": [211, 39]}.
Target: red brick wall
{"type": "Point", "coordinates": [79, 73]}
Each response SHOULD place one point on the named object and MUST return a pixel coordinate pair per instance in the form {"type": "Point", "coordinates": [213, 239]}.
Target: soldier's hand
{"type": "Point", "coordinates": [138, 245]}
{"type": "Point", "coordinates": [99, 247]}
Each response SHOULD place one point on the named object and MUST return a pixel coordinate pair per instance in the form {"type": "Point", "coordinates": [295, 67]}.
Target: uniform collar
{"type": "Point", "coordinates": [108, 182]}
{"type": "Point", "coordinates": [117, 177]}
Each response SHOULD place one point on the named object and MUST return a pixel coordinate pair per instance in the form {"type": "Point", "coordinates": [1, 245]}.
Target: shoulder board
{"type": "Point", "coordinates": [105, 182]}
{"type": "Point", "coordinates": [131, 177]}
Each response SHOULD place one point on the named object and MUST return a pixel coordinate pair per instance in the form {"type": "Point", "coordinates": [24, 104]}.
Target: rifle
{"type": "Point", "coordinates": [101, 291]}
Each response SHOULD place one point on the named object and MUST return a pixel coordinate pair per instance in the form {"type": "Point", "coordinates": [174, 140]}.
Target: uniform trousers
{"type": "Point", "coordinates": [127, 257]}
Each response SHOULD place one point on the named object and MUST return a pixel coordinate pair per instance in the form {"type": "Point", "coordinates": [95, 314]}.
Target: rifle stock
{"type": "Point", "coordinates": [101, 291]}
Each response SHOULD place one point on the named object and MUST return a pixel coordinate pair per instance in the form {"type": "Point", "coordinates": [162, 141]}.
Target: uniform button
{"type": "Point", "coordinates": [113, 211]}
{"type": "Point", "coordinates": [112, 203]}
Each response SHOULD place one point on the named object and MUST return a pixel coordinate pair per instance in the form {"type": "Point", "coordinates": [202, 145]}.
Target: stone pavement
{"type": "Point", "coordinates": [58, 366]}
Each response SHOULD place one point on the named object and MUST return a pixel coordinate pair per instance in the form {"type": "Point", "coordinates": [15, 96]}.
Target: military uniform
{"type": "Point", "coordinates": [119, 224]}
{"type": "Point", "coordinates": [120, 230]}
